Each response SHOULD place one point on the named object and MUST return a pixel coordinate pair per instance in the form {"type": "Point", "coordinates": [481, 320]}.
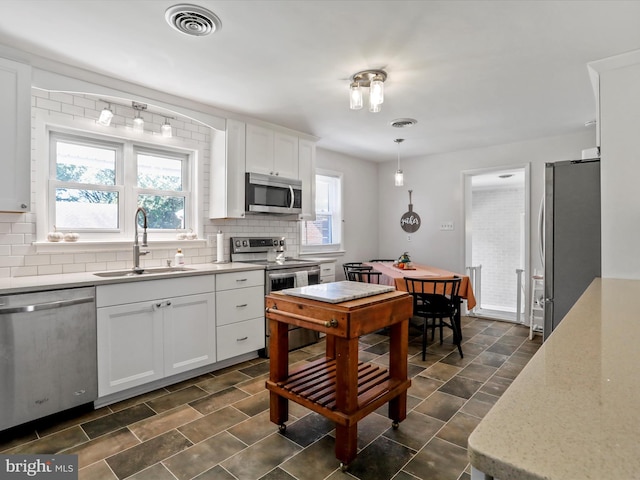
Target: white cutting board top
{"type": "Point", "coordinates": [338, 292]}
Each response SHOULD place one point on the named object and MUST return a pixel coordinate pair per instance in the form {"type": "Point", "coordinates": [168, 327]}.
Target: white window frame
{"type": "Point", "coordinates": [125, 167]}
{"type": "Point", "coordinates": [337, 218]}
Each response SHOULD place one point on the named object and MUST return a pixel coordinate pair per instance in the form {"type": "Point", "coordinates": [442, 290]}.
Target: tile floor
{"type": "Point", "coordinates": [216, 426]}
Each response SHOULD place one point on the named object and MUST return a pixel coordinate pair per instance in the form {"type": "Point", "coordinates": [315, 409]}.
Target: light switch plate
{"type": "Point", "coordinates": [448, 225]}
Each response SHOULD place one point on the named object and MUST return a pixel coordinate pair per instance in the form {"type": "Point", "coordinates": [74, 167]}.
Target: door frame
{"type": "Point", "coordinates": [467, 215]}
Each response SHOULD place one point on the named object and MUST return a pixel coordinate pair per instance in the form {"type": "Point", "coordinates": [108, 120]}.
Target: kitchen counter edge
{"type": "Point", "coordinates": [39, 283]}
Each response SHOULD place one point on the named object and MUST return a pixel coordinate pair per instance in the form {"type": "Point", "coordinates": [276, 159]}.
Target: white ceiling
{"type": "Point", "coordinates": [473, 73]}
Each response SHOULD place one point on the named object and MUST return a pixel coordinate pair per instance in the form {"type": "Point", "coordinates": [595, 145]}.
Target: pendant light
{"type": "Point", "coordinates": [399, 177]}
{"type": "Point", "coordinates": [372, 79]}
{"type": "Point", "coordinates": [355, 96]}
{"type": "Point", "coordinates": [138, 121]}
{"type": "Point", "coordinates": [106, 115]}
{"type": "Point", "coordinates": [165, 129]}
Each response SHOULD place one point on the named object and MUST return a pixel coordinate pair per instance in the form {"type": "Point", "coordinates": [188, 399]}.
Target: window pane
{"type": "Point", "coordinates": [85, 164]}
{"type": "Point", "coordinates": [318, 232]}
{"type": "Point", "coordinates": [159, 173]}
{"type": "Point", "coordinates": [163, 211]}
{"type": "Point", "coordinates": [78, 209]}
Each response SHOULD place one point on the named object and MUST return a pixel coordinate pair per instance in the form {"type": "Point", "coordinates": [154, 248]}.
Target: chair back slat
{"type": "Point", "coordinates": [365, 276]}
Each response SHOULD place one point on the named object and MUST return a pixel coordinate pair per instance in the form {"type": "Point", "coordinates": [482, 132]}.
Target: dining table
{"type": "Point", "coordinates": [394, 275]}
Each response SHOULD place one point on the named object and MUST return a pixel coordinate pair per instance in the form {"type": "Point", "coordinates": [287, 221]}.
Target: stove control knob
{"type": "Point", "coordinates": [282, 243]}
{"type": "Point", "coordinates": [245, 243]}
{"type": "Point", "coordinates": [238, 243]}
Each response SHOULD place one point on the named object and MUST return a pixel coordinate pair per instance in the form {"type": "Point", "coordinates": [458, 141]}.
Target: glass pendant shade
{"type": "Point", "coordinates": [376, 91]}
{"type": "Point", "coordinates": [355, 96]}
{"type": "Point", "coordinates": [165, 129]}
{"type": "Point", "coordinates": [399, 178]}
{"type": "Point", "coordinates": [138, 124]}
{"type": "Point", "coordinates": [105, 117]}
{"type": "Point", "coordinates": [374, 107]}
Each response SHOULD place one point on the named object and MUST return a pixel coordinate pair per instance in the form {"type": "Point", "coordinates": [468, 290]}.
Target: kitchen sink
{"type": "Point", "coordinates": [146, 271]}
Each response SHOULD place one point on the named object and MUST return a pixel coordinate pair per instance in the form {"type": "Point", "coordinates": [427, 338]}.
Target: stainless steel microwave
{"type": "Point", "coordinates": [272, 194]}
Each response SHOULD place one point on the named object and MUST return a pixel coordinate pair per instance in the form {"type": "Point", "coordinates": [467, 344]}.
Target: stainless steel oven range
{"type": "Point", "coordinates": [280, 272]}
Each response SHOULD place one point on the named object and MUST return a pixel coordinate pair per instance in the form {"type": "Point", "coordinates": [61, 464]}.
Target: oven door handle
{"type": "Point", "coordinates": [277, 276]}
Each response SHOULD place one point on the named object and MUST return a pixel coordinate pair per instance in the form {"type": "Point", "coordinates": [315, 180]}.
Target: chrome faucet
{"type": "Point", "coordinates": [136, 247]}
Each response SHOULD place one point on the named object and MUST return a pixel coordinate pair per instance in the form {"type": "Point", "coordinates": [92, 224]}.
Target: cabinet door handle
{"type": "Point", "coordinates": [241, 280]}
{"type": "Point", "coordinates": [241, 306]}
{"type": "Point", "coordinates": [158, 305]}
{"type": "Point", "coordinates": [241, 339]}
{"type": "Point", "coordinates": [168, 303]}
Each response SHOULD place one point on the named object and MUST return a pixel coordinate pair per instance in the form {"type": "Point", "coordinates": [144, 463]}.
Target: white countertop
{"type": "Point", "coordinates": [574, 410]}
{"type": "Point", "coordinates": [338, 292]}
{"type": "Point", "coordinates": [69, 280]}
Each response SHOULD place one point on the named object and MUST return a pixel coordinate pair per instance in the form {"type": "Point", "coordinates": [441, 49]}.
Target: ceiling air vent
{"type": "Point", "coordinates": [192, 20]}
{"type": "Point", "coordinates": [403, 122]}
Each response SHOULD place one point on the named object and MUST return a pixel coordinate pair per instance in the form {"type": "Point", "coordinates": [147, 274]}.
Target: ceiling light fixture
{"type": "Point", "coordinates": [138, 121]}
{"type": "Point", "coordinates": [106, 115]}
{"type": "Point", "coordinates": [372, 79]}
{"type": "Point", "coordinates": [399, 175]}
{"type": "Point", "coordinates": [165, 129]}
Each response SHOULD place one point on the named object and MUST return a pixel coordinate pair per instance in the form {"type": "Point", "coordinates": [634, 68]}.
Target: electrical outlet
{"type": "Point", "coordinates": [408, 238]}
{"type": "Point", "coordinates": [446, 225]}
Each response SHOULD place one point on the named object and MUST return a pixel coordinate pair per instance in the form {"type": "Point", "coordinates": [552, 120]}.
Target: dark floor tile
{"type": "Point", "coordinates": [198, 459]}
{"type": "Point", "coordinates": [218, 400]}
{"type": "Point", "coordinates": [154, 472]}
{"type": "Point", "coordinates": [441, 371]}
{"type": "Point", "coordinates": [260, 458]}
{"type": "Point", "coordinates": [212, 424]}
{"type": "Point", "coordinates": [308, 429]}
{"type": "Point", "coordinates": [316, 461]}
{"type": "Point", "coordinates": [496, 385]}
{"type": "Point", "coordinates": [276, 474]}
{"type": "Point", "coordinates": [492, 359]}
{"type": "Point", "coordinates": [476, 408]}
{"type": "Point", "coordinates": [163, 422]}
{"type": "Point", "coordinates": [215, 473]}
{"type": "Point", "coordinates": [116, 421]}
{"type": "Point", "coordinates": [380, 460]}
{"type": "Point", "coordinates": [512, 339]}
{"type": "Point", "coordinates": [458, 429]}
{"type": "Point", "coordinates": [73, 419]}
{"type": "Point", "coordinates": [17, 436]}
{"type": "Point", "coordinates": [370, 427]}
{"type": "Point", "coordinates": [481, 339]}
{"type": "Point", "coordinates": [379, 348]}
{"type": "Point", "coordinates": [103, 447]}
{"type": "Point", "coordinates": [477, 371]}
{"type": "Point", "coordinates": [55, 443]}
{"type": "Point", "coordinates": [257, 369]}
{"type": "Point", "coordinates": [254, 429]}
{"type": "Point", "coordinates": [189, 382]}
{"type": "Point", "coordinates": [461, 387]}
{"type": "Point", "coordinates": [223, 381]}
{"type": "Point", "coordinates": [441, 406]}
{"type": "Point", "coordinates": [509, 369]}
{"type": "Point", "coordinates": [254, 404]}
{"type": "Point", "coordinates": [97, 471]}
{"type": "Point", "coordinates": [438, 460]}
{"type": "Point", "coordinates": [137, 400]}
{"type": "Point", "coordinates": [415, 431]}
{"type": "Point", "coordinates": [251, 386]}
{"type": "Point", "coordinates": [502, 348]}
{"type": "Point", "coordinates": [141, 456]}
{"type": "Point", "coordinates": [180, 397]}
{"type": "Point", "coordinates": [422, 387]}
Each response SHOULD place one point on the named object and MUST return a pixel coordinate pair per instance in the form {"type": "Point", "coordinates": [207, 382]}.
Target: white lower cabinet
{"type": "Point", "coordinates": [154, 329]}
{"type": "Point", "coordinates": [328, 272]}
{"type": "Point", "coordinates": [239, 313]}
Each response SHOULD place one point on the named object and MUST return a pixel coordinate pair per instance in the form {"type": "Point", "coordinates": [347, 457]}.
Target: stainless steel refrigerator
{"type": "Point", "coordinates": [572, 255]}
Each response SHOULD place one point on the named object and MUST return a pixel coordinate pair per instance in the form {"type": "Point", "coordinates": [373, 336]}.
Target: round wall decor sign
{"type": "Point", "coordinates": [410, 221]}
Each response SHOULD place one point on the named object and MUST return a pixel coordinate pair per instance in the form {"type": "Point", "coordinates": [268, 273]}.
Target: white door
{"type": "Point", "coordinates": [497, 240]}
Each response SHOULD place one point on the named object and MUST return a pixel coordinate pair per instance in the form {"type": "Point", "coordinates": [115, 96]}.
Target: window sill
{"type": "Point", "coordinates": [321, 253]}
{"type": "Point", "coordinates": [104, 246]}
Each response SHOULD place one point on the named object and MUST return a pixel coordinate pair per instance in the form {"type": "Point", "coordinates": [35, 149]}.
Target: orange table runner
{"type": "Point", "coordinates": [396, 276]}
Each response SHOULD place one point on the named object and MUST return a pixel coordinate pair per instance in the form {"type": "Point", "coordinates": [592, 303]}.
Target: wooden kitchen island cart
{"type": "Point", "coordinates": [339, 386]}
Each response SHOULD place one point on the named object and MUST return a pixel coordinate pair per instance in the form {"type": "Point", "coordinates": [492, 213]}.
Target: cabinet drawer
{"type": "Point", "coordinates": [228, 281]}
{"type": "Point", "coordinates": [241, 337]}
{"type": "Point", "coordinates": [239, 304]}
{"type": "Point", "coordinates": [327, 269]}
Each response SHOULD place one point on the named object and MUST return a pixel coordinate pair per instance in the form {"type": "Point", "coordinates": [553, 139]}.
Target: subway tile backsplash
{"type": "Point", "coordinates": [19, 257]}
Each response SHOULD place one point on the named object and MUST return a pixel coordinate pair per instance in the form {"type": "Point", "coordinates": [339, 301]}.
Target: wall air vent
{"type": "Point", "coordinates": [403, 122]}
{"type": "Point", "coordinates": [192, 20]}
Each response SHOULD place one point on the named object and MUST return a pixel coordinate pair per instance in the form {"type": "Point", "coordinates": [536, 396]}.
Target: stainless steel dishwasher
{"type": "Point", "coordinates": [47, 353]}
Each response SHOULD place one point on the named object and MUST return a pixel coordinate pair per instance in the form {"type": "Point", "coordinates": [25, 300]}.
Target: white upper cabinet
{"type": "Point", "coordinates": [271, 152]}
{"type": "Point", "coordinates": [15, 136]}
{"type": "Point", "coordinates": [226, 176]}
{"type": "Point", "coordinates": [307, 171]}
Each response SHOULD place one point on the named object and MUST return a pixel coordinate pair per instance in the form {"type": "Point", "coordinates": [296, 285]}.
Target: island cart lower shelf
{"type": "Point", "coordinates": [339, 386]}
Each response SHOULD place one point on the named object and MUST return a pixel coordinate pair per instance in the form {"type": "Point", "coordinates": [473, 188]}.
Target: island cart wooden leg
{"type": "Point", "coordinates": [398, 346]}
{"type": "Point", "coordinates": [346, 397]}
{"type": "Point", "coordinates": [278, 370]}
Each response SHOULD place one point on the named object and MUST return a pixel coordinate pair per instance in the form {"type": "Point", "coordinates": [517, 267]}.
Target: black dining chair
{"type": "Point", "coordinates": [365, 276]}
{"type": "Point", "coordinates": [354, 266]}
{"type": "Point", "coordinates": [437, 303]}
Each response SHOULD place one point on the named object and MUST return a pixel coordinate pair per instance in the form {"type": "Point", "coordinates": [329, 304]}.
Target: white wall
{"type": "Point", "coordinates": [360, 199]}
{"type": "Point", "coordinates": [620, 171]}
{"type": "Point", "coordinates": [438, 191]}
